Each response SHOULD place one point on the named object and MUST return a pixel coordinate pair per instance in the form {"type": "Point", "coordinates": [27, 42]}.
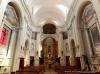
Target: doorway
{"type": "Point", "coordinates": [21, 64]}
{"type": "Point", "coordinates": [67, 61]}
{"type": "Point", "coordinates": [31, 60]}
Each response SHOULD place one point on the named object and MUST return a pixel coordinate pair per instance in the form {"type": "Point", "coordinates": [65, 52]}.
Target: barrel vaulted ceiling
{"type": "Point", "coordinates": [48, 11]}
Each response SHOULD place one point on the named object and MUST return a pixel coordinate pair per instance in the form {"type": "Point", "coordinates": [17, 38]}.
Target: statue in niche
{"type": "Point", "coordinates": [49, 60]}
{"type": "Point", "coordinates": [49, 57]}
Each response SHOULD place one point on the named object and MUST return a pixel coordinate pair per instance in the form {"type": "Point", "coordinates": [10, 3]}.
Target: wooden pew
{"type": "Point", "coordinates": [32, 70]}
{"type": "Point", "coordinates": [12, 72]}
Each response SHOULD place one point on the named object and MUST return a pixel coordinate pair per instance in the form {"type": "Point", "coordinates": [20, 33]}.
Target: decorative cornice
{"type": "Point", "coordinates": [27, 11]}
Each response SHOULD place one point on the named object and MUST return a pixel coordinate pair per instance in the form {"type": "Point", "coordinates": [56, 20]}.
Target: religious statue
{"type": "Point", "coordinates": [49, 60]}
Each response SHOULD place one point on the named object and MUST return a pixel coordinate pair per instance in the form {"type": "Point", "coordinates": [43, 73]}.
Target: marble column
{"type": "Point", "coordinates": [61, 50]}
{"type": "Point", "coordinates": [15, 52]}
{"type": "Point", "coordinates": [36, 57]}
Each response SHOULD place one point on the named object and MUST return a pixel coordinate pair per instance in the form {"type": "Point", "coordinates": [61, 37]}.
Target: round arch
{"type": "Point", "coordinates": [81, 9]}
{"type": "Point", "coordinates": [53, 41]}
{"type": "Point", "coordinates": [44, 40]}
{"type": "Point", "coordinates": [49, 50]}
{"type": "Point", "coordinates": [89, 32]}
{"type": "Point", "coordinates": [79, 26]}
{"type": "Point", "coordinates": [14, 21]}
{"type": "Point", "coordinates": [17, 10]}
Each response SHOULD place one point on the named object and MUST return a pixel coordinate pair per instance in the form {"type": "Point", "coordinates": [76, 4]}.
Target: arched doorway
{"type": "Point", "coordinates": [49, 51]}
{"type": "Point", "coordinates": [9, 36]}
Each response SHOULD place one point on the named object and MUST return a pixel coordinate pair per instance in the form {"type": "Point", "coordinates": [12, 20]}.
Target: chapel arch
{"type": "Point", "coordinates": [11, 24]}
{"type": "Point", "coordinates": [9, 32]}
{"type": "Point", "coordinates": [50, 42]}
{"type": "Point", "coordinates": [49, 50]}
{"type": "Point", "coordinates": [88, 31]}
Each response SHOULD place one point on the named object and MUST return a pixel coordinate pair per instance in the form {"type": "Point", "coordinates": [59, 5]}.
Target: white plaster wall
{"type": "Point", "coordinates": [22, 33]}
{"type": "Point", "coordinates": [96, 4]}
{"type": "Point", "coordinates": [75, 11]}
{"type": "Point", "coordinates": [15, 53]}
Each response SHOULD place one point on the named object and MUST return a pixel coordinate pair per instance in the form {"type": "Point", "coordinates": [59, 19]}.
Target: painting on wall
{"type": "Point", "coordinates": [4, 36]}
{"type": "Point", "coordinates": [95, 39]}
{"type": "Point", "coordinates": [11, 15]}
{"type": "Point", "coordinates": [95, 36]}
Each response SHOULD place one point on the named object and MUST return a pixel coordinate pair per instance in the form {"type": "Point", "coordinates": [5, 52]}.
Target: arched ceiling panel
{"type": "Point", "coordinates": [43, 11]}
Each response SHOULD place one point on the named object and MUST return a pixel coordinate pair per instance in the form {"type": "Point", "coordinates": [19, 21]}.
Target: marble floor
{"type": "Point", "coordinates": [50, 72]}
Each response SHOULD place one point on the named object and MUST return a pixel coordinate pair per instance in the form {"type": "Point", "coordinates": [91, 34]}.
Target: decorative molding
{"type": "Point", "coordinates": [27, 11]}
